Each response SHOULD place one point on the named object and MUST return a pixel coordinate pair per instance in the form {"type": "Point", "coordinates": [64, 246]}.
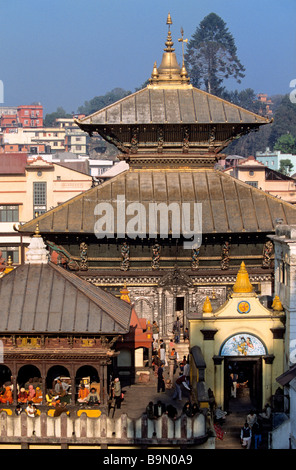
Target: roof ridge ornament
{"type": "Point", "coordinates": [169, 73]}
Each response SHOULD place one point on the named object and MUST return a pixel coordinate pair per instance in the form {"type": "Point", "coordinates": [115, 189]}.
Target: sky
{"type": "Point", "coordinates": [65, 52]}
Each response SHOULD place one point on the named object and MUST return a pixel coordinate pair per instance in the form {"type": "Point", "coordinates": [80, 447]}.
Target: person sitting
{"type": "Point", "coordinates": [83, 394]}
{"type": "Point", "coordinates": [51, 399]}
{"type": "Point", "coordinates": [220, 415]}
{"type": "Point", "coordinates": [22, 396]}
{"type": "Point", "coordinates": [6, 397]}
{"type": "Point", "coordinates": [266, 414]}
{"type": "Point", "coordinates": [31, 410]}
{"type": "Point", "coordinates": [38, 396]}
{"type": "Point", "coordinates": [187, 409]}
{"type": "Point", "coordinates": [31, 392]}
{"type": "Point", "coordinates": [195, 408]}
{"type": "Point", "coordinates": [18, 410]}
{"type": "Point", "coordinates": [171, 411]}
{"type": "Point", "coordinates": [93, 398]}
{"type": "Point", "coordinates": [150, 410]}
{"type": "Point", "coordinates": [159, 409]}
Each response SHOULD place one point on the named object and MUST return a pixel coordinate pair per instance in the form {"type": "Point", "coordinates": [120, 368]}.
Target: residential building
{"type": "Point", "coordinates": [272, 158]}
{"type": "Point", "coordinates": [29, 187]}
{"type": "Point", "coordinates": [256, 174]}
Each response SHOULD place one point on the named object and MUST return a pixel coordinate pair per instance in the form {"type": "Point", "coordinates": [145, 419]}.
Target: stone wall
{"type": "Point", "coordinates": [103, 431]}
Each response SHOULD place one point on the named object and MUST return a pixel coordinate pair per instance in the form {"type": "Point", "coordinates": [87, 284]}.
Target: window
{"type": "Point", "coordinates": [12, 251]}
{"type": "Point", "coordinates": [9, 213]}
{"type": "Point", "coordinates": [39, 198]}
{"type": "Point", "coordinates": [252, 183]}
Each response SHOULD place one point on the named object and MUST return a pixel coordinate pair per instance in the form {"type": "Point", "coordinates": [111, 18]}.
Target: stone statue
{"type": "Point", "coordinates": [125, 257]}
{"type": "Point", "coordinates": [83, 256]}
{"type": "Point", "coordinates": [194, 258]}
{"type": "Point", "coordinates": [225, 256]}
{"type": "Point", "coordinates": [155, 256]}
{"type": "Point", "coordinates": [267, 252]}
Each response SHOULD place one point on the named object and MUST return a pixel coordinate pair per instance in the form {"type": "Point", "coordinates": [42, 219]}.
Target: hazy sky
{"type": "Point", "coordinates": [64, 52]}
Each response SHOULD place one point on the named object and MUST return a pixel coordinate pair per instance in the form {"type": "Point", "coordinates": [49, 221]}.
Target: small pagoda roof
{"type": "Point", "coordinates": [45, 298]}
{"type": "Point", "coordinates": [228, 204]}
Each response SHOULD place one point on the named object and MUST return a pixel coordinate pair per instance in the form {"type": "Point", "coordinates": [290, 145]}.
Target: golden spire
{"type": "Point", "coordinates": [9, 266]}
{"type": "Point", "coordinates": [242, 284]}
{"type": "Point", "coordinates": [207, 306]}
{"type": "Point", "coordinates": [37, 231]}
{"type": "Point", "coordinates": [169, 72]}
{"type": "Point", "coordinates": [183, 69]}
{"type": "Point", "coordinates": [277, 304]}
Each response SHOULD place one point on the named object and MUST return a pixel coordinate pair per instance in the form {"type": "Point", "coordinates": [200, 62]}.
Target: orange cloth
{"type": "Point", "coordinates": [83, 393]}
{"type": "Point", "coordinates": [38, 396]}
{"type": "Point", "coordinates": [7, 396]}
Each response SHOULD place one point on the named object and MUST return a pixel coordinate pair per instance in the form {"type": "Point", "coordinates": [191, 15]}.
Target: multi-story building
{"type": "Point", "coordinates": [256, 174]}
{"type": "Point", "coordinates": [29, 187]}
{"type": "Point", "coordinates": [25, 116]}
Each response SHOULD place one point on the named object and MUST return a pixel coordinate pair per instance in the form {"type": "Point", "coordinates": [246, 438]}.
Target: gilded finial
{"type": "Point", "coordinates": [207, 306]}
{"type": "Point", "coordinates": [9, 266]}
{"type": "Point", "coordinates": [37, 231]}
{"type": "Point", "coordinates": [169, 20]}
{"type": "Point", "coordinates": [125, 294]}
{"type": "Point", "coordinates": [242, 284]}
{"type": "Point", "coordinates": [277, 304]}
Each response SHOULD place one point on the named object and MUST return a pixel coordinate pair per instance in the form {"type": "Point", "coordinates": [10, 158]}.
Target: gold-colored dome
{"type": "Point", "coordinates": [242, 284]}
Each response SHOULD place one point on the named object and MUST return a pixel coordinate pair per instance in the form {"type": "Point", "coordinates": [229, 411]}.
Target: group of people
{"type": "Point", "coordinates": [251, 432]}
{"type": "Point", "coordinates": [155, 411]}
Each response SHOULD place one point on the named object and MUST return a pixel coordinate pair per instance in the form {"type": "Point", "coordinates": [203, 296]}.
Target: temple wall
{"type": "Point", "coordinates": [102, 431]}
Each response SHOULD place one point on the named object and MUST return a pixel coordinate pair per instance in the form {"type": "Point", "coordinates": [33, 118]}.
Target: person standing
{"type": "Point", "coordinates": [233, 383]}
{"type": "Point", "coordinates": [257, 433]}
{"type": "Point", "coordinates": [155, 331]}
{"type": "Point", "coordinates": [117, 392]}
{"type": "Point", "coordinates": [246, 436]}
{"type": "Point", "coordinates": [160, 379]}
{"type": "Point", "coordinates": [172, 364]}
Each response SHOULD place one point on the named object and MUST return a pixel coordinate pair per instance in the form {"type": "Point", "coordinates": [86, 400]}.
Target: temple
{"type": "Point", "coordinates": [129, 230]}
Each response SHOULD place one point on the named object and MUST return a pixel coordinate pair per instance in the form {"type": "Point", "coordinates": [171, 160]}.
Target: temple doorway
{"type": "Point", "coordinates": [249, 383]}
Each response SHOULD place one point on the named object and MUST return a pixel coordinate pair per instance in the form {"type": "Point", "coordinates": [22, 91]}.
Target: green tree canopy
{"type": "Point", "coordinates": [286, 166]}
{"type": "Point", "coordinates": [211, 56]}
{"type": "Point", "coordinates": [99, 102]}
{"type": "Point", "coordinates": [284, 120]}
{"type": "Point", "coordinates": [50, 119]}
{"type": "Point", "coordinates": [286, 143]}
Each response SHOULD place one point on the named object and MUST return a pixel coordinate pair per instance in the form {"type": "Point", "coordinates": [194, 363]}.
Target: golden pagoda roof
{"type": "Point", "coordinates": [228, 204]}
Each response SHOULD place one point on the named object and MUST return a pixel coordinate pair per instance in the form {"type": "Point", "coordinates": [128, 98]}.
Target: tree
{"type": "Point", "coordinates": [211, 56]}
{"type": "Point", "coordinates": [50, 119]}
{"type": "Point", "coordinates": [99, 102]}
{"type": "Point", "coordinates": [286, 144]}
{"type": "Point", "coordinates": [284, 120]}
{"type": "Point", "coordinates": [286, 166]}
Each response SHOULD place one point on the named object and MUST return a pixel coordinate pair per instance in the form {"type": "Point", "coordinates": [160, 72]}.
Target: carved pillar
{"type": "Point", "coordinates": [219, 380]}
{"type": "Point", "coordinates": [225, 256]}
{"type": "Point", "coordinates": [267, 378]}
{"type": "Point", "coordinates": [105, 385]}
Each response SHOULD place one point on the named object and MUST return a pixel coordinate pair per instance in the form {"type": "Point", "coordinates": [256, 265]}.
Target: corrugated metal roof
{"type": "Point", "coordinates": [47, 298]}
{"type": "Point", "coordinates": [172, 106]}
{"type": "Point", "coordinates": [228, 204]}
